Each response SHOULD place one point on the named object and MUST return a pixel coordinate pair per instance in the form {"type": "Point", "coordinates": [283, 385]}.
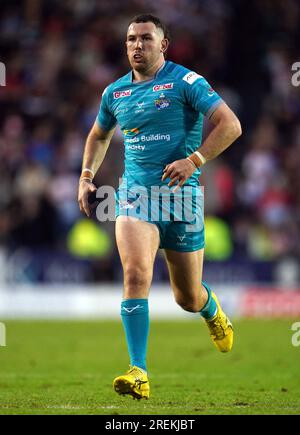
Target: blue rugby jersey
{"type": "Point", "coordinates": [161, 120]}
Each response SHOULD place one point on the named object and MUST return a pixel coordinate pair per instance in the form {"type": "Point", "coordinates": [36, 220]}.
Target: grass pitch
{"type": "Point", "coordinates": [51, 367]}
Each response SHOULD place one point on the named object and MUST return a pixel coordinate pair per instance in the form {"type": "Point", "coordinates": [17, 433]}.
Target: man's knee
{"type": "Point", "coordinates": [188, 304]}
{"type": "Point", "coordinates": [192, 303]}
{"type": "Point", "coordinates": [136, 278]}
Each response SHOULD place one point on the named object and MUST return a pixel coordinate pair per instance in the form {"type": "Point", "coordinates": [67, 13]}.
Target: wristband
{"type": "Point", "coordinates": [87, 175]}
{"type": "Point", "coordinates": [197, 158]}
{"type": "Point", "coordinates": [201, 157]}
{"type": "Point", "coordinates": [88, 170]}
{"type": "Point", "coordinates": [85, 179]}
{"type": "Point", "coordinates": [190, 160]}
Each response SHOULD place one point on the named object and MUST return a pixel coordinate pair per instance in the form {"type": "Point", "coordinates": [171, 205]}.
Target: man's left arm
{"type": "Point", "coordinates": [227, 129]}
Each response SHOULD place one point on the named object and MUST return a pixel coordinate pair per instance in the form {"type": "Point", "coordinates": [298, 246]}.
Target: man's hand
{"type": "Point", "coordinates": [85, 188]}
{"type": "Point", "coordinates": [179, 171]}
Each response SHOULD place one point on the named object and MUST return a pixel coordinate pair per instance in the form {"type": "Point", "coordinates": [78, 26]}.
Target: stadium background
{"type": "Point", "coordinates": [59, 57]}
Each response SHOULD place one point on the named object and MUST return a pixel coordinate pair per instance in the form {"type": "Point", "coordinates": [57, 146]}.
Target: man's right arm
{"type": "Point", "coordinates": [95, 149]}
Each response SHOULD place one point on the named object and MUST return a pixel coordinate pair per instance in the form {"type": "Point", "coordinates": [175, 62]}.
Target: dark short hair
{"type": "Point", "coordinates": [149, 18]}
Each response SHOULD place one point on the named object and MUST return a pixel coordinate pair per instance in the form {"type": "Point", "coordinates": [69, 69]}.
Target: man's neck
{"type": "Point", "coordinates": [138, 76]}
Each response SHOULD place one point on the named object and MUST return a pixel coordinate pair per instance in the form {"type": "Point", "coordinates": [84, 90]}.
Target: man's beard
{"type": "Point", "coordinates": [140, 67]}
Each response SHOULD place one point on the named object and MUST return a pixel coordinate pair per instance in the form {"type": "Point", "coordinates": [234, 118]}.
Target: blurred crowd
{"type": "Point", "coordinates": [60, 55]}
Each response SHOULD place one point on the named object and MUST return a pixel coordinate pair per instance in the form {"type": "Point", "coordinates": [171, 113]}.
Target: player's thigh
{"type": "Point", "coordinates": [185, 271]}
{"type": "Point", "coordinates": [137, 242]}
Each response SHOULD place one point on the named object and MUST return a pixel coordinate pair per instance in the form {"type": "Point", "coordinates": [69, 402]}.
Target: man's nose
{"type": "Point", "coordinates": [138, 43]}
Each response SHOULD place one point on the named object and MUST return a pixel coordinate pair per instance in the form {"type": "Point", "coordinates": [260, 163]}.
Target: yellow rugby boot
{"type": "Point", "coordinates": [135, 383]}
{"type": "Point", "coordinates": [220, 327]}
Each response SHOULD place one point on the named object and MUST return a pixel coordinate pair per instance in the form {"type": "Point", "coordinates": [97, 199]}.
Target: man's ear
{"type": "Point", "coordinates": [164, 45]}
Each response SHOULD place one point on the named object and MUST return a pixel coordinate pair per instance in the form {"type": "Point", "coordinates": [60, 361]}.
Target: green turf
{"type": "Point", "coordinates": [68, 368]}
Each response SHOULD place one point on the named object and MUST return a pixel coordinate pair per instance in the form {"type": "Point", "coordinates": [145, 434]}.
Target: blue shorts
{"type": "Point", "coordinates": [179, 217]}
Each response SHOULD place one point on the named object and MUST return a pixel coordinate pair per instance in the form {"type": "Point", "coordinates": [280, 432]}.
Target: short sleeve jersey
{"type": "Point", "coordinates": [161, 120]}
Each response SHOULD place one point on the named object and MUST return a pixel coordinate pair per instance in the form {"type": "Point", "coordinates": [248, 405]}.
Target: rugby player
{"type": "Point", "coordinates": [159, 106]}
